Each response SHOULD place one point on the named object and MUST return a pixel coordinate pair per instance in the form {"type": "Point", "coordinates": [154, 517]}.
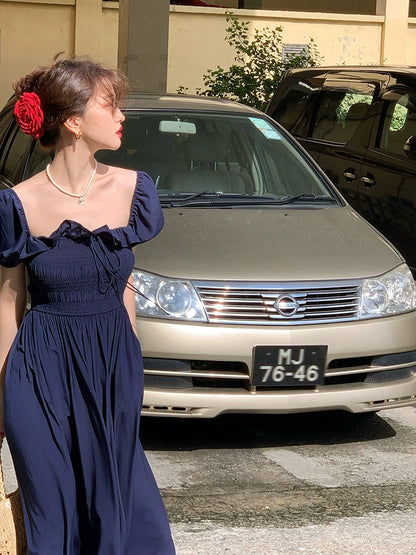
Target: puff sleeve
{"type": "Point", "coordinates": [146, 218]}
{"type": "Point", "coordinates": [12, 230]}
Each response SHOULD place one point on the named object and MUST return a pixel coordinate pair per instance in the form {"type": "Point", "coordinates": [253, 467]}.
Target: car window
{"type": "Point", "coordinates": [39, 158]}
{"type": "Point", "coordinates": [191, 152]}
{"type": "Point", "coordinates": [6, 123]}
{"type": "Point", "coordinates": [339, 113]}
{"type": "Point", "coordinates": [399, 124]}
{"type": "Point", "coordinates": [16, 151]}
{"type": "Point", "coordinates": [294, 111]}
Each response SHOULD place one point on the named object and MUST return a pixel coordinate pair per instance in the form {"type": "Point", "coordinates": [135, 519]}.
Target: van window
{"type": "Point", "coordinates": [6, 123]}
{"type": "Point", "coordinates": [39, 159]}
{"type": "Point", "coordinates": [399, 124]}
{"type": "Point", "coordinates": [295, 110]}
{"type": "Point", "coordinates": [16, 153]}
{"type": "Point", "coordinates": [339, 114]}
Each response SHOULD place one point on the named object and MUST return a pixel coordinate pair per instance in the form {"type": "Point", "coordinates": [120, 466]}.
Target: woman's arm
{"type": "Point", "coordinates": [13, 297]}
{"type": "Point", "coordinates": [130, 304]}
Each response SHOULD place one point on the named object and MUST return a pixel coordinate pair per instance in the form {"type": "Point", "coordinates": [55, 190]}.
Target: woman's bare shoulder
{"type": "Point", "coordinates": [122, 178]}
{"type": "Point", "coordinates": [120, 173]}
{"type": "Point", "coordinates": [32, 186]}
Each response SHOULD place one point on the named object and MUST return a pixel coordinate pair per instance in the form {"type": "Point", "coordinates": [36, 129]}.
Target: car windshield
{"type": "Point", "coordinates": [198, 158]}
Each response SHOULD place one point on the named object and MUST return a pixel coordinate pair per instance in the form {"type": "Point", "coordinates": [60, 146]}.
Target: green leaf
{"type": "Point", "coordinates": [259, 64]}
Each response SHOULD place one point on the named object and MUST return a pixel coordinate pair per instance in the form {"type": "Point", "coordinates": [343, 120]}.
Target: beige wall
{"type": "Point", "coordinates": [196, 43]}
{"type": "Point", "coordinates": [33, 31]}
{"type": "Point", "coordinates": [31, 34]}
{"type": "Point", "coordinates": [411, 42]}
{"type": "Point", "coordinates": [197, 39]}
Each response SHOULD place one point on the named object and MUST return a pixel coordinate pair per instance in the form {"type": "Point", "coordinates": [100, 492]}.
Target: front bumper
{"type": "Point", "coordinates": [212, 388]}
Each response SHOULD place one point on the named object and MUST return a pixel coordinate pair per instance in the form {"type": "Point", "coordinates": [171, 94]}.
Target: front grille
{"type": "Point", "coordinates": [187, 374]}
{"type": "Point", "coordinates": [279, 304]}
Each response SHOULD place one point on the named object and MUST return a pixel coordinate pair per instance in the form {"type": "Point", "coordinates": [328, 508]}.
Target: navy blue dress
{"type": "Point", "coordinates": [74, 385]}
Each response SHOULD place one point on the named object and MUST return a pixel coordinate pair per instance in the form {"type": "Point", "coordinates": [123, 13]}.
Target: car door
{"type": "Point", "coordinates": [340, 131]}
{"type": "Point", "coordinates": [340, 109]}
{"type": "Point", "coordinates": [387, 182]}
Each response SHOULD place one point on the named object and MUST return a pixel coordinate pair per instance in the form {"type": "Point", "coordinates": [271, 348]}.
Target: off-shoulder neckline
{"type": "Point", "coordinates": [69, 221]}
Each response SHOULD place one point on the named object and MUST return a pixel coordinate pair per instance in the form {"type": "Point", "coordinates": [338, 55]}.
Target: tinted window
{"type": "Point", "coordinates": [6, 123]}
{"type": "Point", "coordinates": [16, 152]}
{"type": "Point", "coordinates": [399, 124]}
{"type": "Point", "coordinates": [39, 158]}
{"type": "Point", "coordinates": [295, 109]}
{"type": "Point", "coordinates": [339, 114]}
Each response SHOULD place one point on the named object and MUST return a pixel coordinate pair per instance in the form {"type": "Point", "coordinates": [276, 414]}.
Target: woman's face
{"type": "Point", "coordinates": [101, 124]}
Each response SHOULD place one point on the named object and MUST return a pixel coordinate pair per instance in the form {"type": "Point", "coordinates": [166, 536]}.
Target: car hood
{"type": "Point", "coordinates": [271, 244]}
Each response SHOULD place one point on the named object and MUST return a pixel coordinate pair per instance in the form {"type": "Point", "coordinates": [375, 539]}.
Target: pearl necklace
{"type": "Point", "coordinates": [80, 197]}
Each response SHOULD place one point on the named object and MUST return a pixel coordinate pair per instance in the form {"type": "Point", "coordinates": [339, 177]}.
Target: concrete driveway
{"type": "Point", "coordinates": [328, 483]}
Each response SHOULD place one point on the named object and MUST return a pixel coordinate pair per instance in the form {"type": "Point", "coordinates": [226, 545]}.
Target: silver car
{"type": "Point", "coordinates": [265, 292]}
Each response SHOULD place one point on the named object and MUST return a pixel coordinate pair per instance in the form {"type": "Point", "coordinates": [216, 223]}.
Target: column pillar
{"type": "Point", "coordinates": [88, 35]}
{"type": "Point", "coordinates": [143, 43]}
{"type": "Point", "coordinates": [395, 31]}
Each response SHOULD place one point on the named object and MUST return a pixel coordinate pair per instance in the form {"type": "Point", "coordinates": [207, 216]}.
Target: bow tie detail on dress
{"type": "Point", "coordinates": [103, 259]}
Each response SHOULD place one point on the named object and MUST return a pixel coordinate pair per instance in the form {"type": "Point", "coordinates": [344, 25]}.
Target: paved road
{"type": "Point", "coordinates": [326, 483]}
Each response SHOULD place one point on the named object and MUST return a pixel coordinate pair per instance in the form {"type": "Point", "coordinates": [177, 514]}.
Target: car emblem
{"type": "Point", "coordinates": [286, 305]}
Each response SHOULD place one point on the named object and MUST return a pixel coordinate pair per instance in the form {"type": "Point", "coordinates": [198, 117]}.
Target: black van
{"type": "Point", "coordinates": [359, 124]}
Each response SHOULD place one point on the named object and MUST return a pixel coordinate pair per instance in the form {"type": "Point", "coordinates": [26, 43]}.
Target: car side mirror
{"type": "Point", "coordinates": [410, 146]}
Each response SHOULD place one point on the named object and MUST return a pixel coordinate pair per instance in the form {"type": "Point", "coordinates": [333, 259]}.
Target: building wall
{"type": "Point", "coordinates": [33, 31]}
{"type": "Point", "coordinates": [411, 42]}
{"type": "Point", "coordinates": [196, 40]}
{"type": "Point", "coordinates": [31, 34]}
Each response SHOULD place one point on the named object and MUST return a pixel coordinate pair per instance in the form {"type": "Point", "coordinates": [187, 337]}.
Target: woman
{"type": "Point", "coordinates": [72, 366]}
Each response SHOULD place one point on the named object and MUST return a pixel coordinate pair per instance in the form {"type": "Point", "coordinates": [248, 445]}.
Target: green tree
{"type": "Point", "coordinates": [259, 64]}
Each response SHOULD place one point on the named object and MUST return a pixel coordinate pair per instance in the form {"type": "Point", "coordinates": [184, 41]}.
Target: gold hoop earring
{"type": "Point", "coordinates": [78, 135]}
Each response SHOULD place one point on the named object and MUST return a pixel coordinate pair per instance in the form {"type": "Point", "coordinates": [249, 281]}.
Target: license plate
{"type": "Point", "coordinates": [285, 366]}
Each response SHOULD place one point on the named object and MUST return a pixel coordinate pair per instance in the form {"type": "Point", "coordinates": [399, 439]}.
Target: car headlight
{"type": "Point", "coordinates": [163, 297]}
{"type": "Point", "coordinates": [388, 294]}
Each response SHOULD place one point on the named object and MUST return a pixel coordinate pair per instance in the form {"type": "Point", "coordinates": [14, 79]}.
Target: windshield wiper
{"type": "Point", "coordinates": [214, 198]}
{"type": "Point", "coordinates": [308, 197]}
{"type": "Point", "coordinates": [182, 200]}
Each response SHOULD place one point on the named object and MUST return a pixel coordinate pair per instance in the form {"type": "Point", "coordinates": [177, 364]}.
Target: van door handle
{"type": "Point", "coordinates": [350, 175]}
{"type": "Point", "coordinates": [369, 181]}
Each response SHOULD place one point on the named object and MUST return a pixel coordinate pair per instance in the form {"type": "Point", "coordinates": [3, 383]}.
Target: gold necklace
{"type": "Point", "coordinates": [81, 199]}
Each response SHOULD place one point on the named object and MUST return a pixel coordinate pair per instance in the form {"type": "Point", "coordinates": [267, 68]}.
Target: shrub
{"type": "Point", "coordinates": [259, 64]}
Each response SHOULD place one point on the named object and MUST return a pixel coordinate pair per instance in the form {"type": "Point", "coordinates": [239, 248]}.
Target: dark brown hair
{"type": "Point", "coordinates": [65, 87]}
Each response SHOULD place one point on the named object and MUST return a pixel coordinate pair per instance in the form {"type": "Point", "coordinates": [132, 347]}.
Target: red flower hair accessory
{"type": "Point", "coordinates": [29, 114]}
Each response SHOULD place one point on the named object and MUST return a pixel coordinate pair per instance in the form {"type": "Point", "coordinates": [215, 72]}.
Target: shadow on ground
{"type": "Point", "coordinates": [259, 431]}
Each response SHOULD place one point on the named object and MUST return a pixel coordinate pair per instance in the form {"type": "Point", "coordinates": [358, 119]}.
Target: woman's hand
{"type": "Point", "coordinates": [12, 307]}
{"type": "Point", "coordinates": [130, 303]}
{"type": "Point", "coordinates": [1, 422]}
{"type": "Point", "coordinates": [2, 433]}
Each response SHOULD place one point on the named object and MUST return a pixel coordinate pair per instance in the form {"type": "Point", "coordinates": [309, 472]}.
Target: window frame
{"type": "Point", "coordinates": [385, 117]}
{"type": "Point", "coordinates": [343, 82]}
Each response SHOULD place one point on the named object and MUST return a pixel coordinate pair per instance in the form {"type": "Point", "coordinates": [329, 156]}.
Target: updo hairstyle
{"type": "Point", "coordinates": [65, 87]}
